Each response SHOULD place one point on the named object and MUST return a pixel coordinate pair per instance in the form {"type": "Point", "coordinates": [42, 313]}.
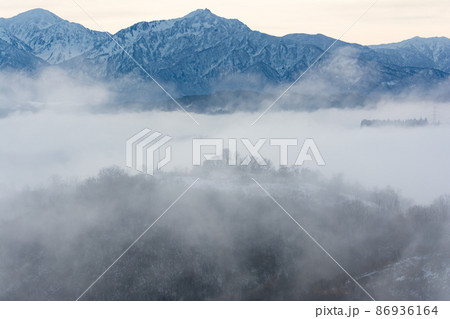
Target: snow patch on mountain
{"type": "Point", "coordinates": [414, 278]}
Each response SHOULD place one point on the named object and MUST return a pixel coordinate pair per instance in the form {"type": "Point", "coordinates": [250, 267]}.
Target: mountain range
{"type": "Point", "coordinates": [202, 54]}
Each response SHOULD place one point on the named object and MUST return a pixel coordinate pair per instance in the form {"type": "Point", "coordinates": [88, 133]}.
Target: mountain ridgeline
{"type": "Point", "coordinates": [203, 54]}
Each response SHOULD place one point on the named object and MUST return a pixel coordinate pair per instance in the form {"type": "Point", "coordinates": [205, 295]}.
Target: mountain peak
{"type": "Point", "coordinates": [205, 18]}
{"type": "Point", "coordinates": [199, 13]}
{"type": "Point", "coordinates": [41, 18]}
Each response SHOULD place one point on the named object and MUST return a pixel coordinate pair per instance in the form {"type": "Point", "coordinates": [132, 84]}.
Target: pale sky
{"type": "Point", "coordinates": [387, 21]}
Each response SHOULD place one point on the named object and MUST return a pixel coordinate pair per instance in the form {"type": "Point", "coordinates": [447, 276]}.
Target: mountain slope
{"type": "Point", "coordinates": [199, 49]}
{"type": "Point", "coordinates": [418, 52]}
{"type": "Point", "coordinates": [202, 53]}
{"type": "Point", "coordinates": [51, 38]}
{"type": "Point", "coordinates": [14, 56]}
{"type": "Point", "coordinates": [414, 278]}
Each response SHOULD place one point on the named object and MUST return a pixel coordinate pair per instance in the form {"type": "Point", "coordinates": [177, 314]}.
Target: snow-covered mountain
{"type": "Point", "coordinates": [14, 54]}
{"type": "Point", "coordinates": [49, 37]}
{"type": "Point", "coordinates": [418, 52]}
{"type": "Point", "coordinates": [202, 53]}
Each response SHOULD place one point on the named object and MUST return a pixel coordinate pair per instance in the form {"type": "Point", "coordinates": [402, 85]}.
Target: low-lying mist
{"type": "Point", "coordinates": [380, 203]}
{"type": "Point", "coordinates": [73, 142]}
